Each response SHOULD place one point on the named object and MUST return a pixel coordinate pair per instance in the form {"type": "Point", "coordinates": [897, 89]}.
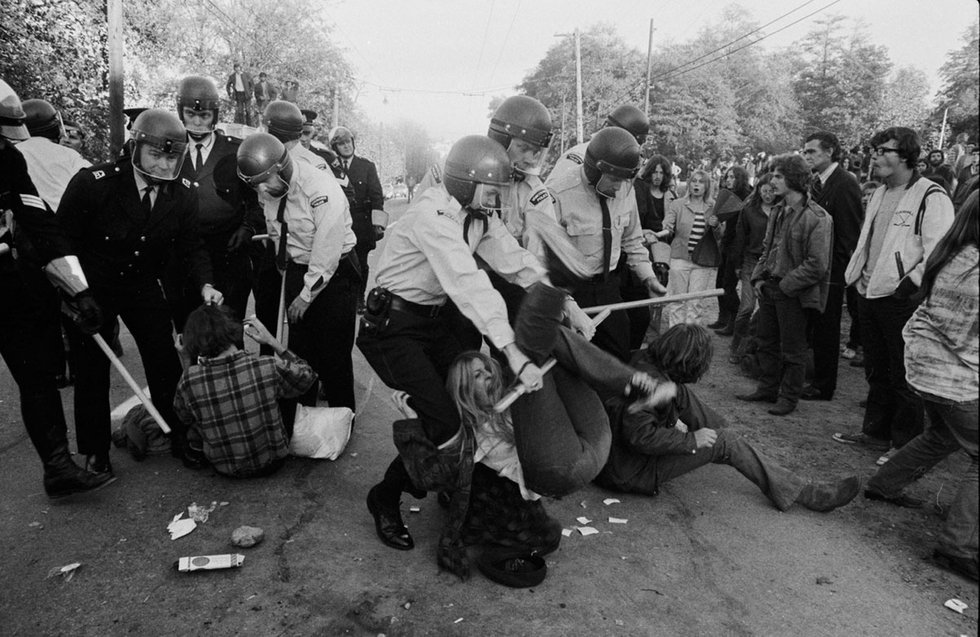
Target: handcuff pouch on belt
{"type": "Point", "coordinates": [376, 311]}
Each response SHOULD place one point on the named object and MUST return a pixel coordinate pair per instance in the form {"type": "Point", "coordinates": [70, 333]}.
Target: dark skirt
{"type": "Point", "coordinates": [498, 515]}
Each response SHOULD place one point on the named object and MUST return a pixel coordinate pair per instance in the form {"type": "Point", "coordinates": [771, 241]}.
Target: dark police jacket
{"type": "Point", "coordinates": [366, 196]}
{"type": "Point", "coordinates": [120, 246]}
{"type": "Point", "coordinates": [225, 202]}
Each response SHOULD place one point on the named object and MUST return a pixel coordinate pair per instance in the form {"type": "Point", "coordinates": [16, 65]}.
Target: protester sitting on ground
{"type": "Point", "coordinates": [501, 510]}
{"type": "Point", "coordinates": [228, 397]}
{"type": "Point", "coordinates": [941, 366]}
{"type": "Point", "coordinates": [652, 446]}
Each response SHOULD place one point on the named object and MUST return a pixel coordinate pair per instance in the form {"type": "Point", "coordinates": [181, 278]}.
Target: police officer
{"type": "Point", "coordinates": [367, 200]}
{"type": "Point", "coordinates": [598, 211]}
{"type": "Point", "coordinates": [427, 260]}
{"type": "Point", "coordinates": [284, 121]}
{"type": "Point", "coordinates": [626, 116]}
{"type": "Point", "coordinates": [50, 164]}
{"type": "Point", "coordinates": [228, 210]}
{"type": "Point", "coordinates": [309, 141]}
{"type": "Point", "coordinates": [125, 220]}
{"type": "Point", "coordinates": [309, 222]}
{"type": "Point", "coordinates": [25, 338]}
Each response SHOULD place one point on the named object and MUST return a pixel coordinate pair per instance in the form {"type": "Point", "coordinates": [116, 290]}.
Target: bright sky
{"type": "Point", "coordinates": [415, 59]}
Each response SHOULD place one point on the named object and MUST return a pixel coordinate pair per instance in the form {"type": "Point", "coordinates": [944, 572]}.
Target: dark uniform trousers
{"type": "Point", "coordinates": [613, 334]}
{"type": "Point", "coordinates": [825, 341]}
{"type": "Point", "coordinates": [232, 277]}
{"type": "Point", "coordinates": [30, 340]}
{"type": "Point", "coordinates": [144, 310]}
{"type": "Point", "coordinates": [325, 336]}
{"type": "Point", "coordinates": [412, 353]}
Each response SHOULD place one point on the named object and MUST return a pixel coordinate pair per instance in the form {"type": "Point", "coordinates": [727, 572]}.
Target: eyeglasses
{"type": "Point", "coordinates": [881, 150]}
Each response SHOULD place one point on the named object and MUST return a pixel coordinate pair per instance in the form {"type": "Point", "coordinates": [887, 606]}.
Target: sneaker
{"type": "Point", "coordinates": [862, 439]}
{"type": "Point", "coordinates": [885, 457]}
{"type": "Point", "coordinates": [848, 353]}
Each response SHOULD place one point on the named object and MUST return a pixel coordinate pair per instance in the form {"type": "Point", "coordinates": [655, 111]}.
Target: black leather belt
{"type": "Point", "coordinates": [425, 311]}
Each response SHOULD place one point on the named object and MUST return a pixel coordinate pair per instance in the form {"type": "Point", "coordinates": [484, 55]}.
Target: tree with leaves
{"type": "Point", "coordinates": [961, 86]}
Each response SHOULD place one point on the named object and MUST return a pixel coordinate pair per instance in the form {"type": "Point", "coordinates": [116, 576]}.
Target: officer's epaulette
{"type": "Point", "coordinates": [568, 179]}
{"type": "Point", "coordinates": [108, 169]}
{"type": "Point", "coordinates": [575, 158]}
{"type": "Point", "coordinates": [448, 214]}
{"type": "Point", "coordinates": [235, 141]}
{"type": "Point", "coordinates": [436, 173]}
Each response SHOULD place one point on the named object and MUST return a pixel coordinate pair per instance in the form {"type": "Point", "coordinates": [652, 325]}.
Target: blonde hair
{"type": "Point", "coordinates": [706, 178]}
{"type": "Point", "coordinates": [475, 402]}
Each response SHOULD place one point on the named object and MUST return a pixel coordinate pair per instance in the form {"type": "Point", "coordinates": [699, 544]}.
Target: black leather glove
{"type": "Point", "coordinates": [239, 239]}
{"type": "Point", "coordinates": [88, 314]}
{"type": "Point", "coordinates": [379, 233]}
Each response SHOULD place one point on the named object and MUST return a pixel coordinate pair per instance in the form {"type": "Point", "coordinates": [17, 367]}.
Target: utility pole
{"type": "Point", "coordinates": [563, 101]}
{"type": "Point", "coordinates": [646, 93]}
{"type": "Point", "coordinates": [579, 126]}
{"type": "Point", "coordinates": [942, 131]}
{"type": "Point", "coordinates": [335, 120]}
{"type": "Point", "coordinates": [114, 18]}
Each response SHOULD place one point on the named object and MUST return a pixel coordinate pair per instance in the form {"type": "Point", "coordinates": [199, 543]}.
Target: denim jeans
{"type": "Point", "coordinates": [951, 426]}
{"type": "Point", "coordinates": [746, 304]}
{"type": "Point", "coordinates": [685, 277]}
{"type": "Point", "coordinates": [782, 344]}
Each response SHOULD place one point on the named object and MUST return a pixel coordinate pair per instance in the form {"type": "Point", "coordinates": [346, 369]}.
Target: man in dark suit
{"type": "Point", "coordinates": [265, 92]}
{"type": "Point", "coordinates": [366, 200]}
{"type": "Point", "coordinates": [124, 220]}
{"type": "Point", "coordinates": [836, 191]}
{"type": "Point", "coordinates": [240, 88]}
{"type": "Point", "coordinates": [228, 210]}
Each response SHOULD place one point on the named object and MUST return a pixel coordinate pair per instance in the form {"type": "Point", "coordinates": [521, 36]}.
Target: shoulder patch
{"type": "Point", "coordinates": [98, 174]}
{"type": "Point", "coordinates": [539, 196]}
{"type": "Point", "coordinates": [575, 158]}
{"type": "Point", "coordinates": [319, 201]}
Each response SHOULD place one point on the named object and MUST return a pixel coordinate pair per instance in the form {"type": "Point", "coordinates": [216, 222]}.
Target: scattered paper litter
{"type": "Point", "coordinates": [458, 620]}
{"type": "Point", "coordinates": [67, 571]}
{"type": "Point", "coordinates": [566, 532]}
{"type": "Point", "coordinates": [179, 528]}
{"type": "Point", "coordinates": [583, 520]}
{"type": "Point", "coordinates": [414, 509]}
{"type": "Point", "coordinates": [587, 530]}
{"type": "Point", "coordinates": [955, 605]}
{"type": "Point", "coordinates": [583, 504]}
{"type": "Point", "coordinates": [200, 513]}
{"type": "Point", "coordinates": [617, 520]}
{"type": "Point", "coordinates": [609, 501]}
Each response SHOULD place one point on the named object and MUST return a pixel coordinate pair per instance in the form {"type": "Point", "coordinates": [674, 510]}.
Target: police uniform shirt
{"type": "Point", "coordinates": [51, 167]}
{"type": "Point", "coordinates": [527, 196]}
{"type": "Point", "coordinates": [19, 197]}
{"type": "Point", "coordinates": [570, 162]}
{"type": "Point", "coordinates": [319, 221]}
{"type": "Point", "coordinates": [300, 153]}
{"type": "Point", "coordinates": [426, 259]}
{"type": "Point", "coordinates": [579, 212]}
{"type": "Point", "coordinates": [206, 145]}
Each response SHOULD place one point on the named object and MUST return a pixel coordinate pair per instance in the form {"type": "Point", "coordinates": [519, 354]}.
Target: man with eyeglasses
{"type": "Point", "coordinates": [836, 191]}
{"type": "Point", "coordinates": [905, 219]}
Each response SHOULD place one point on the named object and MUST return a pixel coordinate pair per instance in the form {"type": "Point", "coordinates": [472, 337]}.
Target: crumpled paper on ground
{"type": "Point", "coordinates": [179, 528]}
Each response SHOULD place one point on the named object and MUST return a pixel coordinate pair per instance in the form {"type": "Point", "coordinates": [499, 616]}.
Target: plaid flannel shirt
{"type": "Point", "coordinates": [230, 406]}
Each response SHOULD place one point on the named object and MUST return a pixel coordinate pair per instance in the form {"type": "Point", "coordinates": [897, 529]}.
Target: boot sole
{"type": "Point", "coordinates": [62, 496]}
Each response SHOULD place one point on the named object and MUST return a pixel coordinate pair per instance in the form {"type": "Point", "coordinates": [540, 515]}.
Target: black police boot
{"type": "Point", "coordinates": [62, 477]}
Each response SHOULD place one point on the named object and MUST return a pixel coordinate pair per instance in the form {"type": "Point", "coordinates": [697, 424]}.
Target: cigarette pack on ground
{"type": "Point", "coordinates": [209, 562]}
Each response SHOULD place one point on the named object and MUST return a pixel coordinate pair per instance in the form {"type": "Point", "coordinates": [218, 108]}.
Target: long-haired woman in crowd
{"type": "Point", "coordinates": [750, 232]}
{"type": "Point", "coordinates": [685, 224]}
{"type": "Point", "coordinates": [735, 180]}
{"type": "Point", "coordinates": [941, 364]}
{"type": "Point", "coordinates": [653, 192]}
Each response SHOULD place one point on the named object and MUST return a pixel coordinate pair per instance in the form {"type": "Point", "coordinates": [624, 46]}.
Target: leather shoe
{"type": "Point", "coordinates": [388, 523]}
{"type": "Point", "coordinates": [812, 393]}
{"type": "Point", "coordinates": [900, 500]}
{"type": "Point", "coordinates": [757, 397]}
{"type": "Point", "coordinates": [98, 463]}
{"type": "Point", "coordinates": [828, 496]}
{"type": "Point", "coordinates": [782, 407]}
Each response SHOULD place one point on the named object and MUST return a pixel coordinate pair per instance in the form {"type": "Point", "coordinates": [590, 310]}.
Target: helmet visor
{"type": "Point", "coordinates": [610, 186]}
{"type": "Point", "coordinates": [491, 198]}
{"type": "Point", "coordinates": [526, 158]}
{"type": "Point", "coordinates": [158, 163]}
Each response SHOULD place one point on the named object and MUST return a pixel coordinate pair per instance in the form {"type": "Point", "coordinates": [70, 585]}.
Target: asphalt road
{"type": "Point", "coordinates": [708, 556]}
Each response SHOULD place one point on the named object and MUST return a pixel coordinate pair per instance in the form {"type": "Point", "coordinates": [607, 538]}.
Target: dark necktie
{"type": "Point", "coordinates": [606, 237]}
{"type": "Point", "coordinates": [147, 200]}
{"type": "Point", "coordinates": [199, 161]}
{"type": "Point", "coordinates": [816, 187]}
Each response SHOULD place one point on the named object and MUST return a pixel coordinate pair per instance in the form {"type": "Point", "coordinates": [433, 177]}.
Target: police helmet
{"type": "Point", "coordinates": [476, 168]}
{"type": "Point", "coordinates": [612, 158]}
{"type": "Point", "coordinates": [341, 135]}
{"type": "Point", "coordinates": [160, 130]}
{"type": "Point", "coordinates": [283, 120]}
{"type": "Point", "coordinates": [11, 115]}
{"type": "Point", "coordinates": [200, 94]}
{"type": "Point", "coordinates": [42, 120]}
{"type": "Point", "coordinates": [629, 117]}
{"type": "Point", "coordinates": [261, 156]}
